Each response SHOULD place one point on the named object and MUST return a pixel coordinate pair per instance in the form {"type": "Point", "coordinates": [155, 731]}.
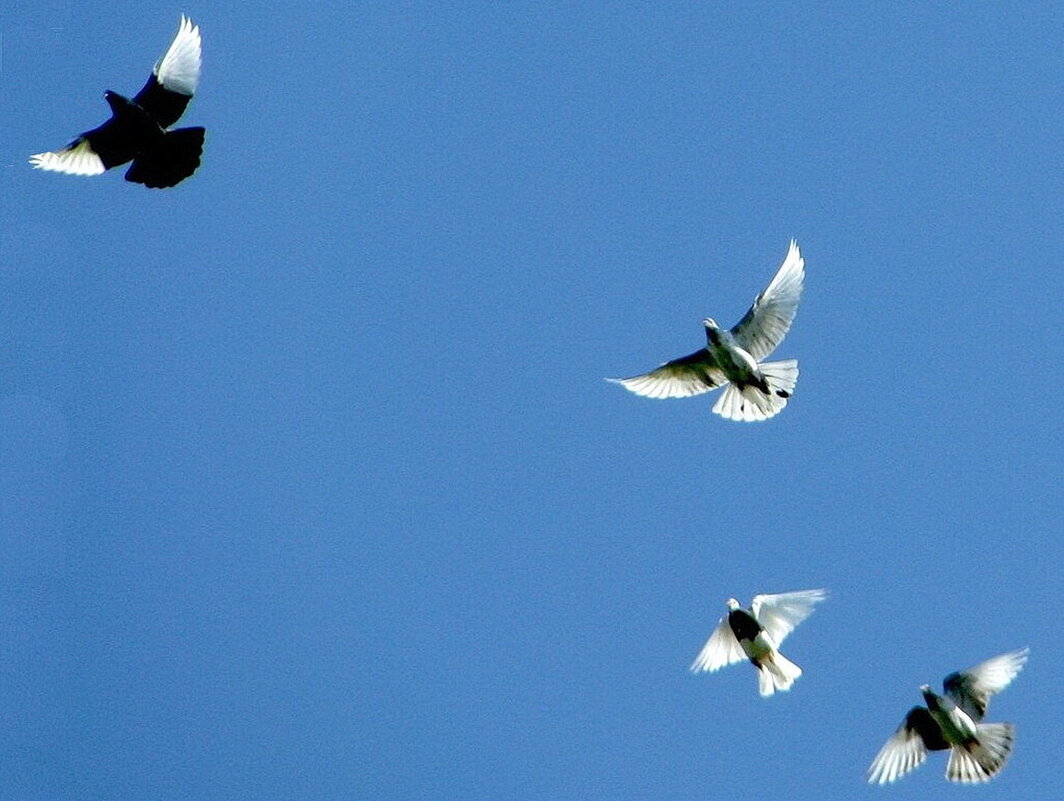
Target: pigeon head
{"type": "Point", "coordinates": [712, 330]}
{"type": "Point", "coordinates": [115, 101]}
{"type": "Point", "coordinates": [732, 604]}
{"type": "Point", "coordinates": [929, 697]}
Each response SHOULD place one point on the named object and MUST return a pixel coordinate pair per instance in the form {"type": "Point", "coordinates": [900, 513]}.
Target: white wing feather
{"type": "Point", "coordinates": [903, 752]}
{"type": "Point", "coordinates": [766, 324]}
{"type": "Point", "coordinates": [179, 69]}
{"type": "Point", "coordinates": [78, 158]}
{"type": "Point", "coordinates": [779, 614]}
{"type": "Point", "coordinates": [720, 649]}
{"type": "Point", "coordinates": [994, 675]}
{"type": "Point", "coordinates": [673, 380]}
{"type": "Point", "coordinates": [971, 689]}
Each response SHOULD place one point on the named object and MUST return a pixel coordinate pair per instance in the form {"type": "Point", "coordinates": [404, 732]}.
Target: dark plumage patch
{"type": "Point", "coordinates": [919, 720]}
{"type": "Point", "coordinates": [743, 625]}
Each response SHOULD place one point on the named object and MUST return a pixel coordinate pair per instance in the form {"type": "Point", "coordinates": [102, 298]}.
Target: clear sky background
{"type": "Point", "coordinates": [310, 485]}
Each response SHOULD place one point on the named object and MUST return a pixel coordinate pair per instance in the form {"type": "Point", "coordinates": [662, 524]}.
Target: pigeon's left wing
{"type": "Point", "coordinates": [766, 324]}
{"type": "Point", "coordinates": [720, 649]}
{"type": "Point", "coordinates": [907, 748]}
{"type": "Point", "coordinates": [681, 378]}
{"type": "Point", "coordinates": [779, 614]}
{"type": "Point", "coordinates": [175, 78]}
{"type": "Point", "coordinates": [971, 689]}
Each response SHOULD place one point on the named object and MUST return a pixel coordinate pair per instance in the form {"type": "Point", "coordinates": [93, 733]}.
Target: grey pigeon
{"type": "Point", "coordinates": [137, 130]}
{"type": "Point", "coordinates": [756, 634]}
{"type": "Point", "coordinates": [953, 721]}
{"type": "Point", "coordinates": [756, 390]}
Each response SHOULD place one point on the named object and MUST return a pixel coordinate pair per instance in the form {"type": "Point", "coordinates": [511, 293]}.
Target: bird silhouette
{"type": "Point", "coordinates": [137, 130]}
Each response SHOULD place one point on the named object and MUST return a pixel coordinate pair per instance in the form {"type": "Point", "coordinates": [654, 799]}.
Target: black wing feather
{"type": "Point", "coordinates": [163, 105]}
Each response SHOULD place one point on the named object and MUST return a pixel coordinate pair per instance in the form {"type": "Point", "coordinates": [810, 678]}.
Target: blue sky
{"type": "Point", "coordinates": [310, 485]}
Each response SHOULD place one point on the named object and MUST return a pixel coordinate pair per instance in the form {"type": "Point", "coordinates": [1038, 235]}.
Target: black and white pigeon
{"type": "Point", "coordinates": [756, 634]}
{"type": "Point", "coordinates": [756, 389]}
{"type": "Point", "coordinates": [953, 721]}
{"type": "Point", "coordinates": [137, 130]}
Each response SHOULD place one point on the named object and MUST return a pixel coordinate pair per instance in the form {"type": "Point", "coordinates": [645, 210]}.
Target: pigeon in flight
{"type": "Point", "coordinates": [756, 634]}
{"type": "Point", "coordinates": [756, 390]}
{"type": "Point", "coordinates": [137, 130]}
{"type": "Point", "coordinates": [953, 721]}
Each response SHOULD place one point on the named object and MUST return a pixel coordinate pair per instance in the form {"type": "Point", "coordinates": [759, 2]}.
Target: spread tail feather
{"type": "Point", "coordinates": [169, 161]}
{"type": "Point", "coordinates": [749, 404]}
{"type": "Point", "coordinates": [776, 672]}
{"type": "Point", "coordinates": [984, 757]}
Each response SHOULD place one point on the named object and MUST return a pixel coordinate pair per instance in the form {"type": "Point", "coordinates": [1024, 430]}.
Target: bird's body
{"type": "Point", "coordinates": [138, 128]}
{"type": "Point", "coordinates": [756, 634]}
{"type": "Point", "coordinates": [754, 389]}
{"type": "Point", "coordinates": [954, 721]}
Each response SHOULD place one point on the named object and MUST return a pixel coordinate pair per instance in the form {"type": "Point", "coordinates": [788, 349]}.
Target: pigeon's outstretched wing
{"type": "Point", "coordinates": [175, 78]}
{"type": "Point", "coordinates": [779, 614]}
{"type": "Point", "coordinates": [971, 689]}
{"type": "Point", "coordinates": [689, 375]}
{"type": "Point", "coordinates": [907, 748]}
{"type": "Point", "coordinates": [106, 146]}
{"type": "Point", "coordinates": [763, 327]}
{"type": "Point", "coordinates": [720, 649]}
{"type": "Point", "coordinates": [77, 158]}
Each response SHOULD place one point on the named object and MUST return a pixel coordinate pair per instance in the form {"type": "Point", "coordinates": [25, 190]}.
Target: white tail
{"type": "Point", "coordinates": [979, 760]}
{"type": "Point", "coordinates": [750, 404]}
{"type": "Point", "coordinates": [781, 376]}
{"type": "Point", "coordinates": [776, 672]}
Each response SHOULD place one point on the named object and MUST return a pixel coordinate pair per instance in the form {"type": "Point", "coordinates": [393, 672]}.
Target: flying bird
{"type": "Point", "coordinates": [755, 389]}
{"type": "Point", "coordinates": [137, 130]}
{"type": "Point", "coordinates": [953, 721]}
{"type": "Point", "coordinates": [756, 634]}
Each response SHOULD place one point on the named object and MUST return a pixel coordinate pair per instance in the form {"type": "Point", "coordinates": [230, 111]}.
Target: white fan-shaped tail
{"type": "Point", "coordinates": [776, 672]}
{"type": "Point", "coordinates": [979, 761]}
{"type": "Point", "coordinates": [750, 404]}
{"type": "Point", "coordinates": [781, 376]}
{"type": "Point", "coordinates": [747, 405]}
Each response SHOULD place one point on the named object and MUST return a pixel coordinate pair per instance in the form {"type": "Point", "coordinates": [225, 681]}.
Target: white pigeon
{"type": "Point", "coordinates": [953, 721]}
{"type": "Point", "coordinates": [756, 390]}
{"type": "Point", "coordinates": [756, 634]}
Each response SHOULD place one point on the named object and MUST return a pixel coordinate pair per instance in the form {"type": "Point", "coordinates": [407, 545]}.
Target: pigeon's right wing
{"type": "Point", "coordinates": [175, 78]}
{"type": "Point", "coordinates": [907, 747]}
{"type": "Point", "coordinates": [681, 378]}
{"type": "Point", "coordinates": [766, 324]}
{"type": "Point", "coordinates": [720, 649]}
{"type": "Point", "coordinates": [779, 614]}
{"type": "Point", "coordinates": [77, 158]}
{"type": "Point", "coordinates": [971, 689]}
